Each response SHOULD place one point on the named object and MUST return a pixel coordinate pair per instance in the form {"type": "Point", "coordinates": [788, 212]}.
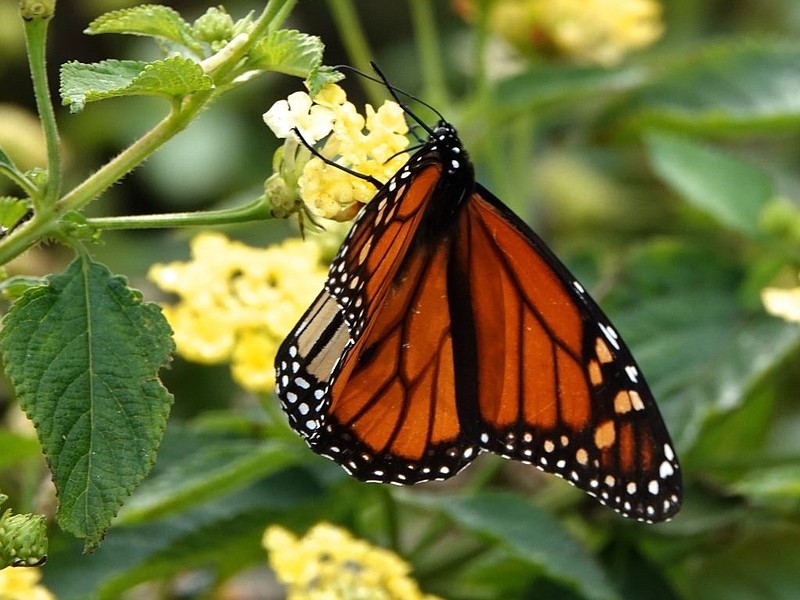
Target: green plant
{"type": "Point", "coordinates": [654, 198]}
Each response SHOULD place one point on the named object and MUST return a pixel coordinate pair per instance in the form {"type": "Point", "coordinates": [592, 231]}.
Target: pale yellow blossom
{"type": "Point", "coordinates": [783, 303]}
{"type": "Point", "coordinates": [587, 31]}
{"type": "Point", "coordinates": [237, 303]}
{"type": "Point", "coordinates": [330, 563]}
{"type": "Point", "coordinates": [22, 583]}
{"type": "Point", "coordinates": [314, 121]}
{"type": "Point", "coordinates": [373, 146]}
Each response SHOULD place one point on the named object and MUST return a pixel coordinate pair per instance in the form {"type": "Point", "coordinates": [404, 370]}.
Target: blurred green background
{"type": "Point", "coordinates": [668, 183]}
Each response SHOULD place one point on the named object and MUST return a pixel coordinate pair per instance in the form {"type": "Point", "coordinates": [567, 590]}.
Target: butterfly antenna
{"type": "Point", "coordinates": [395, 92]}
{"type": "Point", "coordinates": [328, 161]}
{"type": "Point", "coordinates": [413, 132]}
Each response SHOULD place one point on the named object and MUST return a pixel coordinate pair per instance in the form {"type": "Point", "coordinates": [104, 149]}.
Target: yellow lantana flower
{"type": "Point", "coordinates": [328, 563]}
{"type": "Point", "coordinates": [22, 583]}
{"type": "Point", "coordinates": [237, 303]}
{"type": "Point", "coordinates": [783, 303]}
{"type": "Point", "coordinates": [588, 31]}
{"type": "Point", "coordinates": [372, 146]}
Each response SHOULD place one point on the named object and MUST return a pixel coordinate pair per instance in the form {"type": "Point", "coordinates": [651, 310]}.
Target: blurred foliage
{"type": "Point", "coordinates": [656, 180]}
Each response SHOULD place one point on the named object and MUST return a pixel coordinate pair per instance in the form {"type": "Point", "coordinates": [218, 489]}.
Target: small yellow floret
{"type": "Point", "coordinates": [372, 145]}
{"type": "Point", "coordinates": [588, 31]}
{"type": "Point", "coordinates": [22, 583]}
{"type": "Point", "coordinates": [783, 303]}
{"type": "Point", "coordinates": [237, 303]}
{"type": "Point", "coordinates": [330, 563]}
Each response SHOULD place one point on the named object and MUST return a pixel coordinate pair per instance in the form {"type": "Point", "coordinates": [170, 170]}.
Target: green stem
{"type": "Point", "coordinates": [258, 209]}
{"type": "Point", "coordinates": [355, 42]}
{"type": "Point", "coordinates": [430, 57]}
{"type": "Point", "coordinates": [480, 77]}
{"type": "Point", "coordinates": [36, 43]}
{"type": "Point", "coordinates": [19, 178]}
{"type": "Point", "coordinates": [45, 222]}
{"type": "Point", "coordinates": [175, 122]}
{"type": "Point", "coordinates": [276, 12]}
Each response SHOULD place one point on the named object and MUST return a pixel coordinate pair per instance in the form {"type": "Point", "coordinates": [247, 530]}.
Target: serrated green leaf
{"type": "Point", "coordinates": [15, 287]}
{"type": "Point", "coordinates": [83, 355]}
{"type": "Point", "coordinates": [728, 189]}
{"type": "Point", "coordinates": [214, 533]}
{"type": "Point", "coordinates": [530, 534]}
{"type": "Point", "coordinates": [173, 77]}
{"type": "Point", "coordinates": [82, 83]}
{"type": "Point", "coordinates": [149, 20]}
{"type": "Point", "coordinates": [729, 88]}
{"type": "Point", "coordinates": [287, 51]}
{"type": "Point", "coordinates": [321, 77]}
{"type": "Point", "coordinates": [12, 210]}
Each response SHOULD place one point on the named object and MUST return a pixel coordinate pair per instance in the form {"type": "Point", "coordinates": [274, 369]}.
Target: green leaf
{"type": "Point", "coordinates": [701, 352]}
{"type": "Point", "coordinates": [12, 210]}
{"type": "Point", "coordinates": [212, 469]}
{"type": "Point", "coordinates": [733, 87]}
{"type": "Point", "coordinates": [10, 170]}
{"type": "Point", "coordinates": [728, 189]}
{"type": "Point", "coordinates": [319, 78]}
{"type": "Point", "coordinates": [15, 447]}
{"type": "Point", "coordinates": [760, 563]}
{"type": "Point", "coordinates": [223, 534]}
{"type": "Point", "coordinates": [5, 162]}
{"type": "Point", "coordinates": [171, 77]}
{"type": "Point", "coordinates": [529, 533]}
{"type": "Point", "coordinates": [16, 286]}
{"type": "Point", "coordinates": [546, 86]}
{"type": "Point", "coordinates": [774, 482]}
{"type": "Point", "coordinates": [83, 355]}
{"type": "Point", "coordinates": [287, 51]}
{"type": "Point", "coordinates": [149, 20]}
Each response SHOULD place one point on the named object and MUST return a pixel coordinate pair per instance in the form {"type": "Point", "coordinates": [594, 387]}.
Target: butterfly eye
{"type": "Point", "coordinates": [447, 328]}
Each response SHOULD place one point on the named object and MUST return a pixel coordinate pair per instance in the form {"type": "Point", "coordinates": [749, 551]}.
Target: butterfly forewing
{"type": "Point", "coordinates": [373, 251]}
{"type": "Point", "coordinates": [393, 415]}
{"type": "Point", "coordinates": [307, 362]}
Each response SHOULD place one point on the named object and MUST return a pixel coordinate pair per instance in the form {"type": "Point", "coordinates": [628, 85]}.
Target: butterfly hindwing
{"type": "Point", "coordinates": [557, 386]}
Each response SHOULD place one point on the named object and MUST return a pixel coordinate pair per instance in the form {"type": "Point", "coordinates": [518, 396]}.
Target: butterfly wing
{"type": "Point", "coordinates": [346, 375]}
{"type": "Point", "coordinates": [556, 386]}
{"type": "Point", "coordinates": [447, 327]}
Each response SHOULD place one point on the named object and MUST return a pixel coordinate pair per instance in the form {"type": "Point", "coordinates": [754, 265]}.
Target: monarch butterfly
{"type": "Point", "coordinates": [447, 327]}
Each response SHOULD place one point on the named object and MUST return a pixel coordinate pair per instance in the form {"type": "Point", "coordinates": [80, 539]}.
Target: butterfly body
{"type": "Point", "coordinates": [447, 328]}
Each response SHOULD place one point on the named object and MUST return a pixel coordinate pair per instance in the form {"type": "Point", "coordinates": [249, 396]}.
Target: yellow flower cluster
{"type": "Point", "coordinates": [330, 564]}
{"type": "Point", "coordinates": [22, 583]}
{"type": "Point", "coordinates": [237, 303]}
{"type": "Point", "coordinates": [373, 146]}
{"type": "Point", "coordinates": [783, 303]}
{"type": "Point", "coordinates": [588, 31]}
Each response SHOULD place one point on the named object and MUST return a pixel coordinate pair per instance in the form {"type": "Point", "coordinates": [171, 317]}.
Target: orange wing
{"type": "Point", "coordinates": [348, 375]}
{"type": "Point", "coordinates": [447, 327]}
{"type": "Point", "coordinates": [556, 386]}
